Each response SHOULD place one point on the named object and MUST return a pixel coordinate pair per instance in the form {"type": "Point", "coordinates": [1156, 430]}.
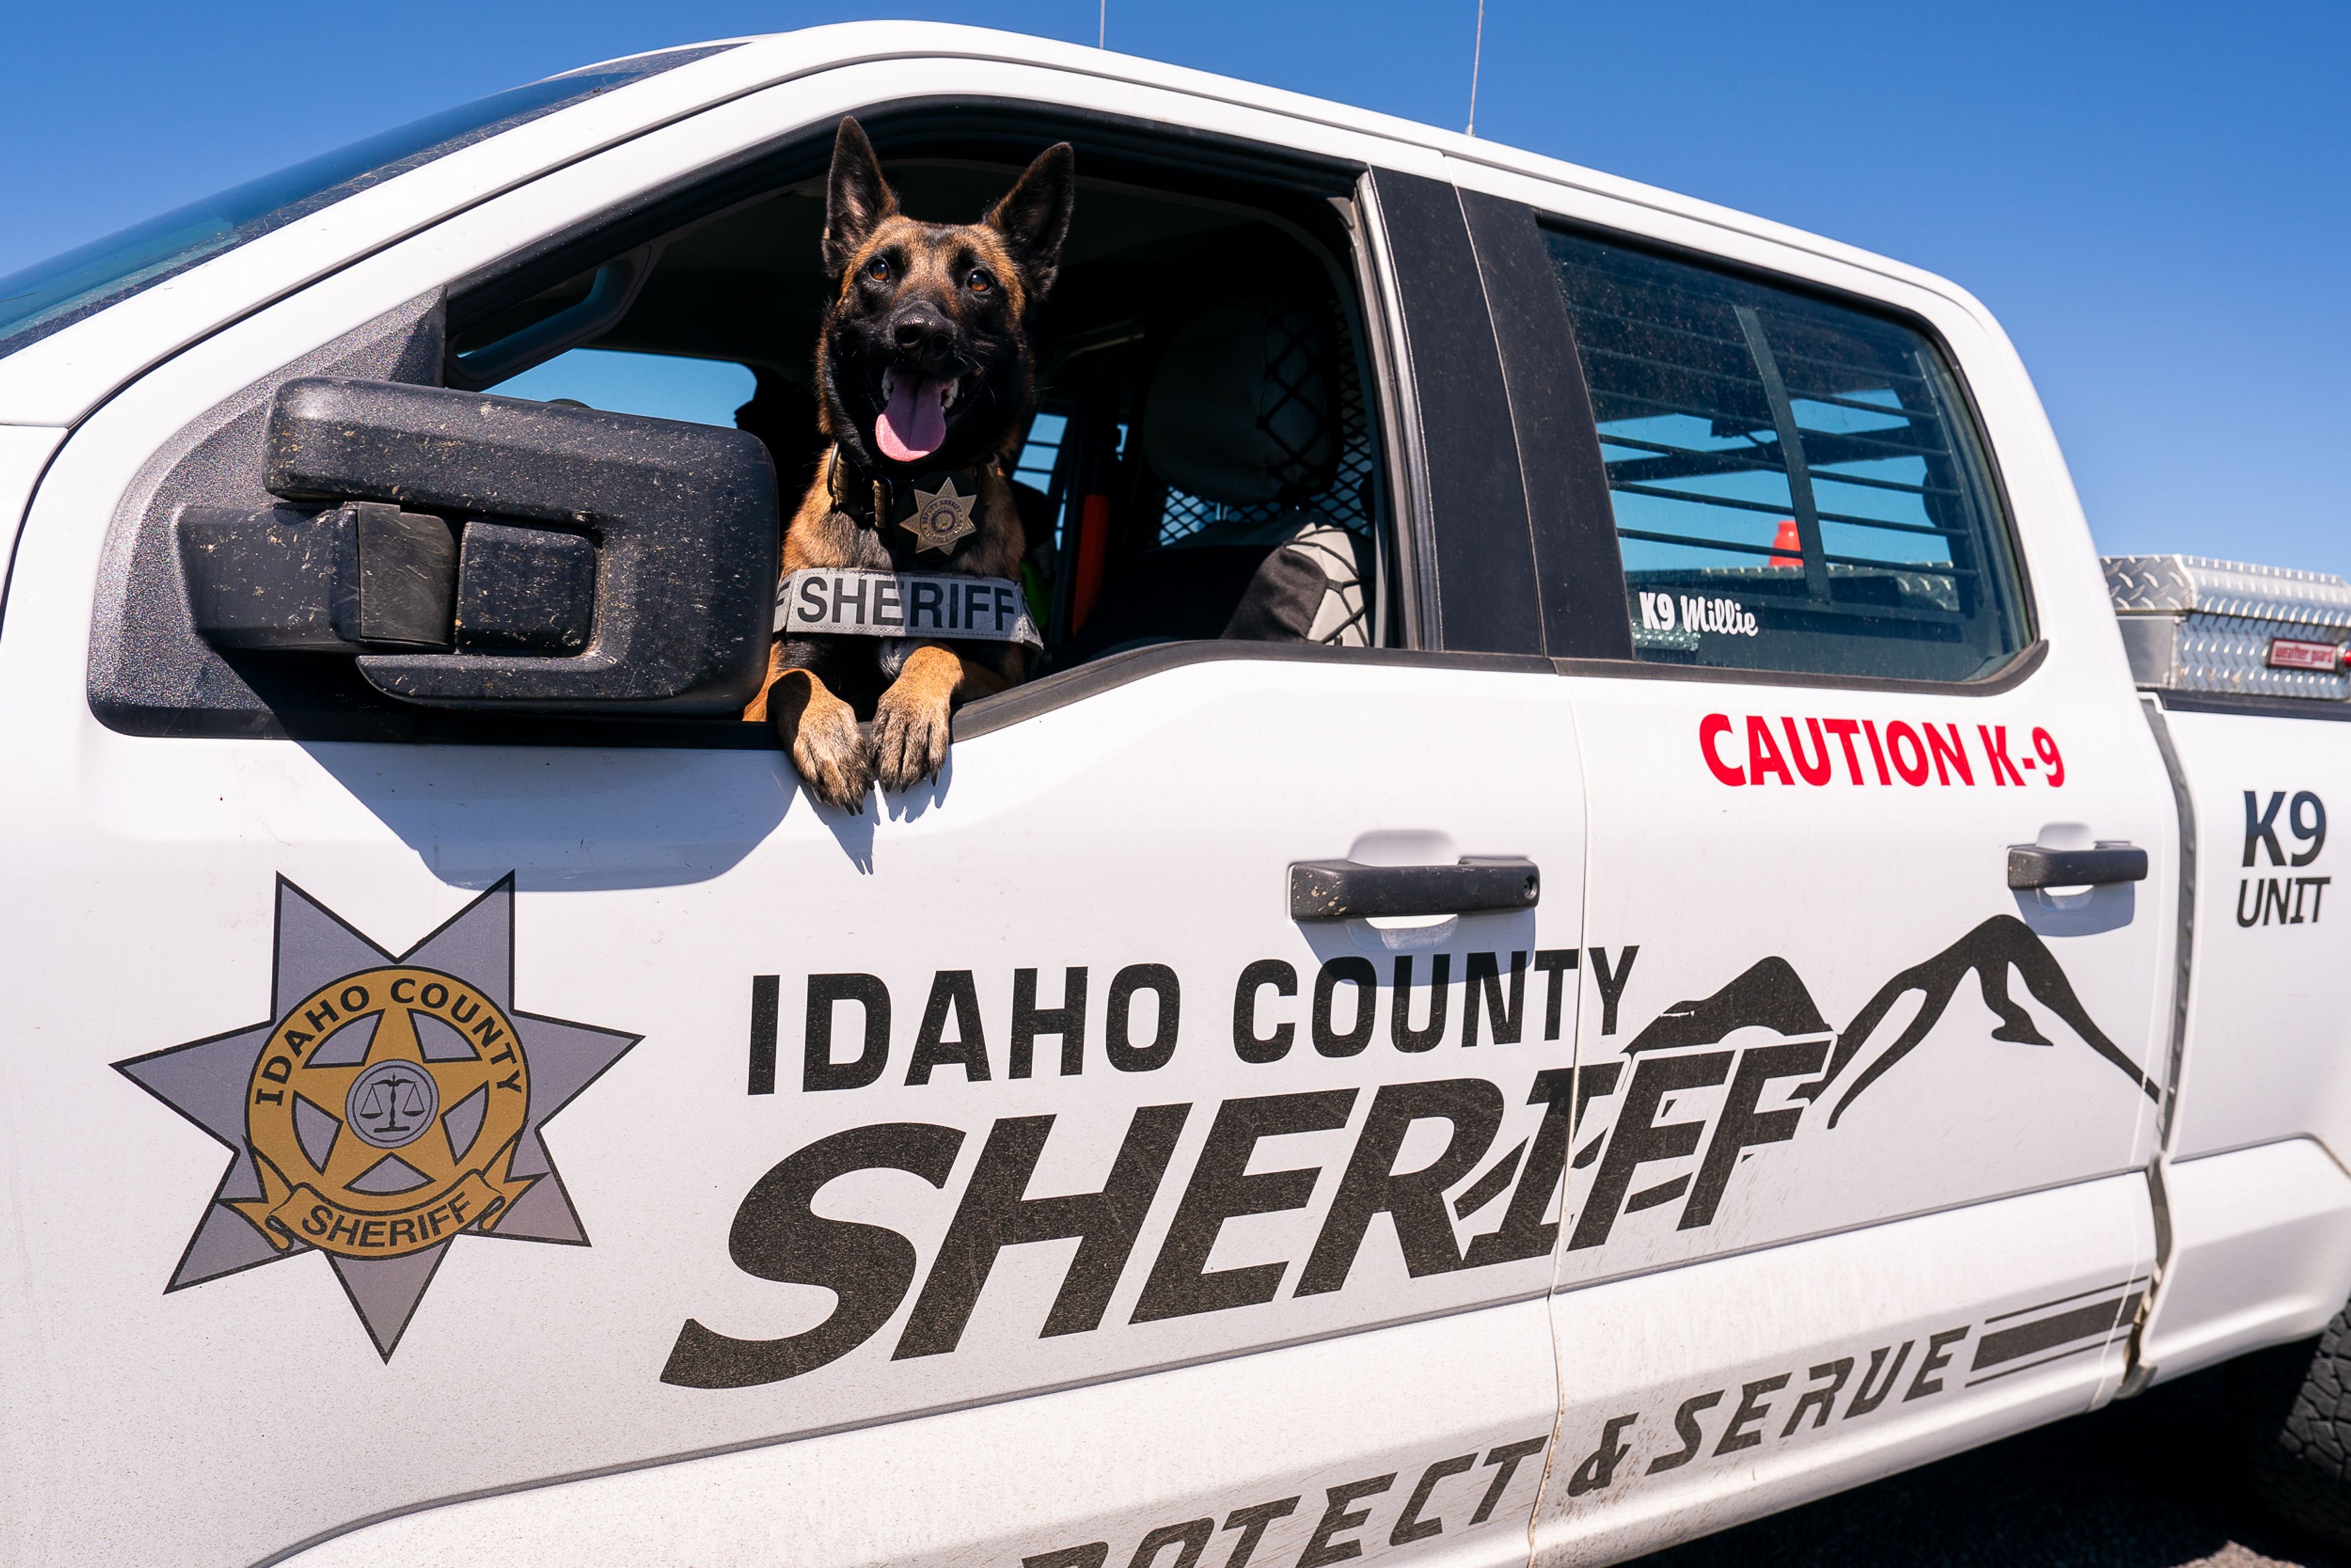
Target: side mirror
{"type": "Point", "coordinates": [494, 554]}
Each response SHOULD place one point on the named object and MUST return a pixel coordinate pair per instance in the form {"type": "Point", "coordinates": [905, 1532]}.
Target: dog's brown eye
{"type": "Point", "coordinates": [980, 282]}
{"type": "Point", "coordinates": [878, 270]}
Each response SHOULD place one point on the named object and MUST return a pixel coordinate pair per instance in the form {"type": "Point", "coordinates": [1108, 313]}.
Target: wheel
{"type": "Point", "coordinates": [2292, 1407]}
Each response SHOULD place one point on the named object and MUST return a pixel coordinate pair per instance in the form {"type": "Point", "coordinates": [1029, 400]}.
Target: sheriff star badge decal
{"type": "Point", "coordinates": [392, 1105]}
{"type": "Point", "coordinates": [941, 516]}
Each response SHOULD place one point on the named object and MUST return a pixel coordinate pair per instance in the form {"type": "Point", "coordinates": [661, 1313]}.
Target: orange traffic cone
{"type": "Point", "coordinates": [1787, 541]}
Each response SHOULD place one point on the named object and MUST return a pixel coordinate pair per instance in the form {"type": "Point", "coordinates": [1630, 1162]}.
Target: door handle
{"type": "Point", "coordinates": [2033, 865]}
{"type": "Point", "coordinates": [1350, 890]}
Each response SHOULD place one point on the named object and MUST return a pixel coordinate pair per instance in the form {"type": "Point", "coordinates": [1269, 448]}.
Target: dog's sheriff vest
{"type": "Point", "coordinates": [938, 511]}
{"type": "Point", "coordinates": [847, 601]}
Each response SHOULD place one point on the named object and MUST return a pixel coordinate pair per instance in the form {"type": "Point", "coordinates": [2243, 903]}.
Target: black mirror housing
{"type": "Point", "coordinates": [609, 563]}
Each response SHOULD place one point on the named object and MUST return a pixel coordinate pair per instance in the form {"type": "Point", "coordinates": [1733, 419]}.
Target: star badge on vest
{"type": "Point", "coordinates": [941, 517]}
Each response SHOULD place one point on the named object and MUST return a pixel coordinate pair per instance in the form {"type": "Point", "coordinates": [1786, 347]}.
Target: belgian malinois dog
{"type": "Point", "coordinates": [923, 375]}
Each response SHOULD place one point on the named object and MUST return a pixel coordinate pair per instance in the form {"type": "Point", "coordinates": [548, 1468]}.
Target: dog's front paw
{"type": "Point", "coordinates": [820, 732]}
{"type": "Point", "coordinates": [910, 733]}
{"type": "Point", "coordinates": [832, 758]}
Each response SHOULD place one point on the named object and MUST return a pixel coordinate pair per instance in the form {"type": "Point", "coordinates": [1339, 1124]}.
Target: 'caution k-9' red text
{"type": "Point", "coordinates": [1755, 750]}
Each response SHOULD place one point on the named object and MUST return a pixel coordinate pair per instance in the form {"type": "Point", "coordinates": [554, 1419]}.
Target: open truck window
{"type": "Point", "coordinates": [1203, 465]}
{"type": "Point", "coordinates": [1202, 460]}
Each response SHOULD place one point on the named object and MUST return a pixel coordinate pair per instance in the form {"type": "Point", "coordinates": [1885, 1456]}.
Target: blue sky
{"type": "Point", "coordinates": [2156, 199]}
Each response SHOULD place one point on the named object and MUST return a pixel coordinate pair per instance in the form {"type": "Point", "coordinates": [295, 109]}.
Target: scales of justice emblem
{"type": "Point", "coordinates": [391, 1105]}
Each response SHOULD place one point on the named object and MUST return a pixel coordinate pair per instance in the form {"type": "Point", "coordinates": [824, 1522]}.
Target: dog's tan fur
{"type": "Point", "coordinates": [1015, 247]}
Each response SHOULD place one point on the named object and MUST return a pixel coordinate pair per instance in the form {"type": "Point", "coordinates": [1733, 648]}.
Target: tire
{"type": "Point", "coordinates": [2292, 1407]}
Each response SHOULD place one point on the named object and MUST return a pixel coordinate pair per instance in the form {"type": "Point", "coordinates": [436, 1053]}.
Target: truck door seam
{"type": "Point", "coordinates": [2138, 1373]}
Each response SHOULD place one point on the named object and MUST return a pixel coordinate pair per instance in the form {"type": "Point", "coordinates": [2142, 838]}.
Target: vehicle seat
{"type": "Point", "coordinates": [1241, 411]}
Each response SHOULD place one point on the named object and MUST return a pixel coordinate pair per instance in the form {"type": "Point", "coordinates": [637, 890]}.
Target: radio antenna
{"type": "Point", "coordinates": [1477, 49]}
{"type": "Point", "coordinates": [1102, 25]}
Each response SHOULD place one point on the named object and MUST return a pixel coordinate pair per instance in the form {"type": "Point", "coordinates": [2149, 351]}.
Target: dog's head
{"type": "Point", "coordinates": [923, 362]}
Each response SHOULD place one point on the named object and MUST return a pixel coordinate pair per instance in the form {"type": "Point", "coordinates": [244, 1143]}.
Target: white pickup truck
{"type": "Point", "coordinates": [1729, 971]}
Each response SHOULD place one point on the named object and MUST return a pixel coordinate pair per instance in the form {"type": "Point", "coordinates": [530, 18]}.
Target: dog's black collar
{"type": "Point", "coordinates": [872, 501]}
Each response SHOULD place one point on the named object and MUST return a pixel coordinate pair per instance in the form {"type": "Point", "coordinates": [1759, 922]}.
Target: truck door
{"type": "Point", "coordinates": [1877, 918]}
{"type": "Point", "coordinates": [1079, 1180]}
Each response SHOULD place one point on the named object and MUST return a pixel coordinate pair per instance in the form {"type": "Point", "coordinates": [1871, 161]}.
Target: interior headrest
{"type": "Point", "coordinates": [1240, 409]}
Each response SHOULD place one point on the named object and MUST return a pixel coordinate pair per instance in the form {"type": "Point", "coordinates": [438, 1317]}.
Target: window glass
{"type": "Point", "coordinates": [56, 293]}
{"type": "Point", "coordinates": [1042, 451]}
{"type": "Point", "coordinates": [658, 386]}
{"type": "Point", "coordinates": [1796, 484]}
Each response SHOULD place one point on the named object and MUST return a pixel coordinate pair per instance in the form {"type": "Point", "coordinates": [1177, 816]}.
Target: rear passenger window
{"type": "Point", "coordinates": [1796, 485]}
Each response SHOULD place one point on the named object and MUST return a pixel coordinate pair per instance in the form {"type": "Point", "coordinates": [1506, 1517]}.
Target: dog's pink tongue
{"type": "Point", "coordinates": [913, 425]}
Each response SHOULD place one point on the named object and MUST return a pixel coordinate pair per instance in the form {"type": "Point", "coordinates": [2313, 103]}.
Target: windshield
{"type": "Point", "coordinates": [56, 293]}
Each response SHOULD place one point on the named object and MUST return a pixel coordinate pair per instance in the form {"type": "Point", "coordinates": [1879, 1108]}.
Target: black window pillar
{"type": "Point", "coordinates": [1578, 565]}
{"type": "Point", "coordinates": [1479, 552]}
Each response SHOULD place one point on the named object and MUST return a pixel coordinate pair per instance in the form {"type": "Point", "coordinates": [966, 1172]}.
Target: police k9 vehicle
{"type": "Point", "coordinates": [1599, 919]}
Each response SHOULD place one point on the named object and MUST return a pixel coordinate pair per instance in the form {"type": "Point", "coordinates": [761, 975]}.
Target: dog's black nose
{"type": "Point", "coordinates": [922, 329]}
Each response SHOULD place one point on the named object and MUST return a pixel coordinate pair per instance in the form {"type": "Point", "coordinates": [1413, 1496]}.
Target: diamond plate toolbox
{"type": "Point", "coordinates": [2193, 624]}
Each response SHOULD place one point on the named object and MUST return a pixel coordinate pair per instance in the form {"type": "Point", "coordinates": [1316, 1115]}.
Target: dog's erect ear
{"type": "Point", "coordinates": [857, 198]}
{"type": "Point", "coordinates": [1034, 216]}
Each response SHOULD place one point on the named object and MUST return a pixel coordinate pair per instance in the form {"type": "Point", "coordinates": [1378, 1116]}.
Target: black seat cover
{"type": "Point", "coordinates": [1240, 412]}
{"type": "Point", "coordinates": [1240, 409]}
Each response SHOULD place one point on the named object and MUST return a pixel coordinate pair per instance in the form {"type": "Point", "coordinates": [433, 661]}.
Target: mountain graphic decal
{"type": "Point", "coordinates": [1772, 995]}
{"type": "Point", "coordinates": [1989, 951]}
